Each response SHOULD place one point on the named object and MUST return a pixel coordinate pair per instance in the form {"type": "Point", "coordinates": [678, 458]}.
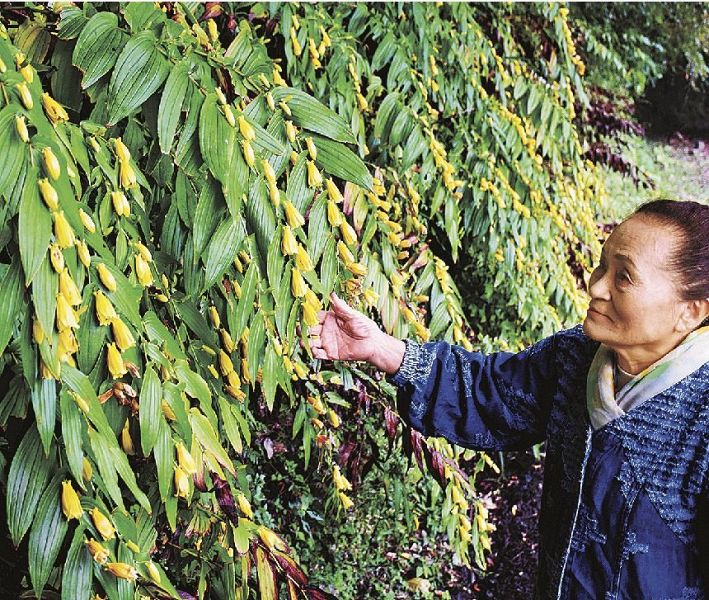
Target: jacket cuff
{"type": "Point", "coordinates": [410, 365]}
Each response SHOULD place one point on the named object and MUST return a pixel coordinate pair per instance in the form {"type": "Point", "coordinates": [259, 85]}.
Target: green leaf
{"type": "Point", "coordinates": [71, 435]}
{"type": "Point", "coordinates": [240, 311]}
{"type": "Point", "coordinates": [80, 384]}
{"type": "Point", "coordinates": [14, 150]}
{"type": "Point", "coordinates": [340, 161]}
{"type": "Point", "coordinates": [270, 376]}
{"type": "Point", "coordinates": [328, 269]}
{"type": "Point", "coordinates": [207, 437]}
{"type": "Point", "coordinates": [34, 227]}
{"type": "Point", "coordinates": [46, 536]}
{"type": "Point", "coordinates": [11, 301]}
{"type": "Point", "coordinates": [217, 139]}
{"type": "Point", "coordinates": [150, 412]}
{"type": "Point", "coordinates": [231, 427]}
{"type": "Point", "coordinates": [78, 569]}
{"type": "Point", "coordinates": [120, 460]}
{"type": "Point", "coordinates": [274, 260]}
{"type": "Point", "coordinates": [222, 250]}
{"type": "Point", "coordinates": [101, 447]}
{"type": "Point", "coordinates": [260, 217]}
{"type": "Point", "coordinates": [298, 191]}
{"type": "Point", "coordinates": [170, 109]}
{"type": "Point", "coordinates": [312, 115]}
{"type": "Point", "coordinates": [139, 72]}
{"type": "Point", "coordinates": [28, 476]}
{"type": "Point", "coordinates": [98, 47]}
{"type": "Point", "coordinates": [44, 295]}
{"type": "Point", "coordinates": [196, 322]}
{"type": "Point", "coordinates": [318, 228]}
{"type": "Point", "coordinates": [44, 404]}
{"type": "Point", "coordinates": [196, 387]}
{"type": "Point", "coordinates": [158, 332]}
{"type": "Point", "coordinates": [164, 452]}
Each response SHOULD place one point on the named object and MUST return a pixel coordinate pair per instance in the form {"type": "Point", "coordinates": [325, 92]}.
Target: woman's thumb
{"type": "Point", "coordinates": [341, 307]}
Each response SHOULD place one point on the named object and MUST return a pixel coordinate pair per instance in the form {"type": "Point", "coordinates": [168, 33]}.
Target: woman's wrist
{"type": "Point", "coordinates": [388, 353]}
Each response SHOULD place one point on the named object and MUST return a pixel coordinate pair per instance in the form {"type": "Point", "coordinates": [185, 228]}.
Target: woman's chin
{"type": "Point", "coordinates": [594, 330]}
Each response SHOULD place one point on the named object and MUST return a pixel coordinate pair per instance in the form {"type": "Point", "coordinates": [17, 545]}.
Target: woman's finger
{"type": "Point", "coordinates": [314, 330]}
{"type": "Point", "coordinates": [319, 353]}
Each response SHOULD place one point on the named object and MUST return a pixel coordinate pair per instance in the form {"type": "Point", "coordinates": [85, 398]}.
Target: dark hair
{"type": "Point", "coordinates": [691, 257]}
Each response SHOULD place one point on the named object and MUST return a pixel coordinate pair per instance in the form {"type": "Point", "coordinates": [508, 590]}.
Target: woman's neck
{"type": "Point", "coordinates": [635, 360]}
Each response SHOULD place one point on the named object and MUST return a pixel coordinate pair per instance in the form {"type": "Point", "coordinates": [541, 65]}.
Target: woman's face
{"type": "Point", "coordinates": [634, 301]}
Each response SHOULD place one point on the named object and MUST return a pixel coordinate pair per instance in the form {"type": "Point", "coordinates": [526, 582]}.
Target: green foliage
{"type": "Point", "coordinates": [179, 228]}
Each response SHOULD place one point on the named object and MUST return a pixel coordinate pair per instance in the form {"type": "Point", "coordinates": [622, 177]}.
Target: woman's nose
{"type": "Point", "coordinates": [598, 286]}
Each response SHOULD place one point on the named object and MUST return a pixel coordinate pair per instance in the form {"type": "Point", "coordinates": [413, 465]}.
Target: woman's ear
{"type": "Point", "coordinates": [694, 313]}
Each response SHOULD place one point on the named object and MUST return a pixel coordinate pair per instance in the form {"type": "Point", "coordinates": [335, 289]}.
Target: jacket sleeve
{"type": "Point", "coordinates": [499, 401]}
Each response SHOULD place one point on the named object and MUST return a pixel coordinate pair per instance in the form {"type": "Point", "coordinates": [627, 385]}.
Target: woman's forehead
{"type": "Point", "coordinates": [641, 241]}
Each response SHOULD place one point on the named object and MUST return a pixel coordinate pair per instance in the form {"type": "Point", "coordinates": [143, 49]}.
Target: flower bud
{"type": "Point", "coordinates": [214, 317]}
{"type": "Point", "coordinates": [116, 366]}
{"type": "Point", "coordinates": [142, 271]}
{"type": "Point", "coordinates": [245, 372]}
{"type": "Point", "coordinates": [55, 112]}
{"type": "Point", "coordinates": [71, 505]}
{"type": "Point", "coordinates": [63, 232]}
{"type": "Point", "coordinates": [290, 131]}
{"type": "Point", "coordinates": [106, 277]}
{"type": "Point", "coordinates": [312, 299]}
{"type": "Point", "coordinates": [298, 285]}
{"type": "Point", "coordinates": [182, 483]}
{"type": "Point", "coordinates": [227, 342]}
{"type": "Point", "coordinates": [370, 296]}
{"type": "Point", "coordinates": [150, 565]}
{"type": "Point", "coordinates": [127, 175]}
{"type": "Point", "coordinates": [362, 102]}
{"type": "Point", "coordinates": [334, 418]}
{"type": "Point", "coordinates": [103, 524]}
{"type": "Point", "coordinates": [334, 216]}
{"type": "Point", "coordinates": [48, 193]}
{"type": "Point", "coordinates": [87, 221]}
{"type": "Point", "coordinates": [302, 260]}
{"type": "Point", "coordinates": [293, 216]}
{"type": "Point", "coordinates": [248, 153]}
{"type": "Point", "coordinates": [225, 364]}
{"type": "Point", "coordinates": [145, 253]}
{"type": "Point", "coordinates": [268, 171]}
{"type": "Point", "coordinates": [87, 471]}
{"type": "Point", "coordinates": [221, 98]}
{"type": "Point", "coordinates": [66, 317]}
{"type": "Point", "coordinates": [234, 379]}
{"type": "Point", "coordinates": [105, 313]}
{"type": "Point", "coordinates": [212, 30]}
{"type": "Point", "coordinates": [126, 439]}
{"type": "Point", "coordinates": [314, 177]}
{"type": "Point", "coordinates": [332, 191]}
{"type": "Point", "coordinates": [344, 252]}
{"type": "Point", "coordinates": [67, 345]}
{"type": "Point", "coordinates": [37, 331]}
{"type": "Point", "coordinates": [122, 571]}
{"type": "Point", "coordinates": [122, 335]}
{"type": "Point", "coordinates": [269, 101]}
{"type": "Point", "coordinates": [312, 150]}
{"type": "Point", "coordinates": [185, 460]}
{"type": "Point", "coordinates": [348, 233]}
{"type": "Point", "coordinates": [56, 257]}
{"type": "Point", "coordinates": [25, 95]}
{"type": "Point", "coordinates": [119, 203]}
{"type": "Point", "coordinates": [51, 163]}
{"type": "Point", "coordinates": [97, 551]}
{"type": "Point", "coordinates": [247, 131]}
{"type": "Point", "coordinates": [21, 128]}
{"type": "Point", "coordinates": [122, 151]}
{"type": "Point", "coordinates": [346, 501]}
{"type": "Point", "coordinates": [274, 194]}
{"type": "Point", "coordinates": [167, 411]}
{"type": "Point", "coordinates": [289, 245]}
{"type": "Point", "coordinates": [229, 115]}
{"type": "Point", "coordinates": [68, 288]}
{"type": "Point", "coordinates": [245, 506]}
{"type": "Point", "coordinates": [83, 251]}
{"type": "Point", "coordinates": [356, 268]}
{"type": "Point", "coordinates": [293, 157]}
{"type": "Point", "coordinates": [284, 107]}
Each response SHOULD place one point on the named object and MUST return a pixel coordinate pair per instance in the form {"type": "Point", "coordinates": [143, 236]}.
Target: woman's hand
{"type": "Point", "coordinates": [346, 334]}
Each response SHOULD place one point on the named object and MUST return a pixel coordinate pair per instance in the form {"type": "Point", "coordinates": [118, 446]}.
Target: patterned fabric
{"type": "Point", "coordinates": [605, 403]}
{"type": "Point", "coordinates": [625, 507]}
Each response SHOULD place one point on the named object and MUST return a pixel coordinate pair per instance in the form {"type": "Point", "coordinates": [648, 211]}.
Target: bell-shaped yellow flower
{"type": "Point", "coordinates": [274, 194]}
{"type": "Point", "coordinates": [87, 221]}
{"type": "Point", "coordinates": [348, 233]}
{"type": "Point", "coordinates": [105, 313]}
{"type": "Point", "coordinates": [68, 288]}
{"type": "Point", "coordinates": [21, 127]}
{"type": "Point", "coordinates": [332, 191]}
{"type": "Point", "coordinates": [334, 216]}
{"type": "Point", "coordinates": [182, 483]}
{"type": "Point", "coordinates": [344, 252]}
{"type": "Point", "coordinates": [142, 271]}
{"type": "Point", "coordinates": [229, 115]}
{"type": "Point", "coordinates": [185, 460]}
{"type": "Point", "coordinates": [122, 151]}
{"type": "Point", "coordinates": [63, 232]}
{"type": "Point", "coordinates": [122, 571]}
{"type": "Point", "coordinates": [312, 299]}
{"type": "Point", "coordinates": [120, 203]}
{"type": "Point", "coordinates": [245, 371]}
{"type": "Point", "coordinates": [346, 501]}
{"type": "Point", "coordinates": [49, 194]}
{"type": "Point", "coordinates": [25, 95]}
{"type": "Point", "coordinates": [302, 260]}
{"type": "Point", "coordinates": [298, 285]}
{"type": "Point", "coordinates": [102, 523]}
{"type": "Point", "coordinates": [67, 344]}
{"type": "Point", "coordinates": [127, 175]}
{"type": "Point", "coordinates": [334, 418]}
{"type": "Point", "coordinates": [122, 335]}
{"type": "Point", "coordinates": [97, 551]}
{"type": "Point", "coordinates": [71, 505]}
{"type": "Point", "coordinates": [106, 277]}
{"type": "Point", "coordinates": [310, 315]}
{"type": "Point", "coordinates": [314, 176]}
{"type": "Point", "coordinates": [289, 245]}
{"type": "Point", "coordinates": [227, 342]}
{"type": "Point", "coordinates": [87, 471]}
{"type": "Point", "coordinates": [116, 366]}
{"type": "Point", "coordinates": [127, 440]}
{"type": "Point", "coordinates": [51, 163]}
{"type": "Point", "coordinates": [66, 317]}
{"type": "Point", "coordinates": [291, 131]}
{"type": "Point", "coordinates": [55, 112]}
{"type": "Point", "coordinates": [225, 364]}
{"type": "Point", "coordinates": [150, 565]}
{"type": "Point", "coordinates": [356, 268]}
{"type": "Point", "coordinates": [248, 153]}
{"type": "Point", "coordinates": [270, 102]}
{"type": "Point", "coordinates": [56, 257]}
{"type": "Point", "coordinates": [83, 251]}
{"type": "Point", "coordinates": [370, 296]}
{"type": "Point", "coordinates": [145, 253]}
{"type": "Point", "coordinates": [312, 150]}
{"type": "Point", "coordinates": [293, 216]}
{"type": "Point", "coordinates": [245, 506]}
{"type": "Point", "coordinates": [246, 130]}
{"type": "Point", "coordinates": [268, 171]}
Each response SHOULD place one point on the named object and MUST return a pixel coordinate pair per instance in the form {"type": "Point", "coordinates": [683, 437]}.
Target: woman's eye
{"type": "Point", "coordinates": [623, 277]}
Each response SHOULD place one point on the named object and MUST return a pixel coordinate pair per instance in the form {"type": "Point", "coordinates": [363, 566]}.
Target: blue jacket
{"type": "Point", "coordinates": [625, 508]}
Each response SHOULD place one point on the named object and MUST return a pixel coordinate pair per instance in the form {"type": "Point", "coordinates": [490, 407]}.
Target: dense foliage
{"type": "Point", "coordinates": [182, 187]}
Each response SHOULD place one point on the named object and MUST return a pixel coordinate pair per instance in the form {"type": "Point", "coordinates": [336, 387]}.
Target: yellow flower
{"type": "Point", "coordinates": [298, 285]}
{"type": "Point", "coordinates": [67, 345]}
{"type": "Point", "coordinates": [300, 371]}
{"type": "Point", "coordinates": [291, 131]}
{"type": "Point", "coordinates": [87, 221]}
{"type": "Point", "coordinates": [274, 194]}
{"type": "Point", "coordinates": [334, 216]}
{"type": "Point", "coordinates": [71, 505]}
{"type": "Point", "coordinates": [127, 440]}
{"type": "Point", "coordinates": [55, 111]}
{"type": "Point", "coordinates": [247, 131]}
{"type": "Point", "coordinates": [167, 410]}
{"type": "Point", "coordinates": [229, 115]}
{"type": "Point", "coordinates": [214, 317]}
{"type": "Point", "coordinates": [227, 342]}
{"type": "Point", "coordinates": [56, 257]}
{"type": "Point", "coordinates": [122, 571]}
{"type": "Point", "coordinates": [185, 460]}
{"type": "Point", "coordinates": [314, 177]}
{"type": "Point", "coordinates": [344, 252]}
{"type": "Point", "coordinates": [122, 151]}
{"type": "Point", "coordinates": [51, 163]}
{"type": "Point", "coordinates": [37, 331]}
{"type": "Point", "coordinates": [21, 128]}
{"type": "Point", "coordinates": [87, 471]}
{"type": "Point", "coordinates": [333, 192]}
{"type": "Point", "coordinates": [293, 157]}
{"type": "Point", "coordinates": [104, 309]}
{"type": "Point", "coordinates": [120, 203]}
{"type": "Point", "coordinates": [25, 95]}
{"type": "Point", "coordinates": [310, 315]}
{"type": "Point", "coordinates": [234, 379]}
{"type": "Point", "coordinates": [127, 174]}
{"type": "Point", "coordinates": [289, 245]}
{"type": "Point", "coordinates": [116, 366]}
{"type": "Point", "coordinates": [245, 372]}
{"type": "Point", "coordinates": [63, 232]}
{"type": "Point", "coordinates": [102, 524]}
{"type": "Point", "coordinates": [213, 371]}
{"type": "Point", "coordinates": [213, 35]}
{"type": "Point", "coordinates": [106, 277]}
{"type": "Point", "coordinates": [297, 48]}
{"type": "Point", "coordinates": [225, 364]}
{"type": "Point", "coordinates": [99, 553]}
{"type": "Point", "coordinates": [221, 98]}
{"type": "Point", "coordinates": [245, 506]}
{"type": "Point", "coordinates": [293, 216]}
{"type": "Point", "coordinates": [122, 335]}
{"type": "Point", "coordinates": [48, 193]}
{"type": "Point", "coordinates": [302, 260]}
{"type": "Point", "coordinates": [132, 546]}
{"type": "Point", "coordinates": [270, 102]}
{"type": "Point", "coordinates": [83, 251]}
{"type": "Point", "coordinates": [346, 501]}
{"type": "Point", "coordinates": [142, 271]}
{"type": "Point", "coordinates": [348, 233]}
{"type": "Point", "coordinates": [334, 418]}
{"type": "Point", "coordinates": [356, 268]}
{"type": "Point", "coordinates": [268, 172]}
{"type": "Point", "coordinates": [66, 317]}
{"type": "Point", "coordinates": [68, 288]}
{"type": "Point", "coordinates": [312, 299]}
{"type": "Point", "coordinates": [270, 539]}
{"type": "Point", "coordinates": [362, 102]}
{"type": "Point", "coordinates": [312, 150]}
{"type": "Point", "coordinates": [182, 483]}
{"type": "Point", "coordinates": [248, 153]}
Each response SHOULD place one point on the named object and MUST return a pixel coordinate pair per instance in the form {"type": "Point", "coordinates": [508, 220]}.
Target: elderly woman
{"type": "Point", "coordinates": [622, 402]}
